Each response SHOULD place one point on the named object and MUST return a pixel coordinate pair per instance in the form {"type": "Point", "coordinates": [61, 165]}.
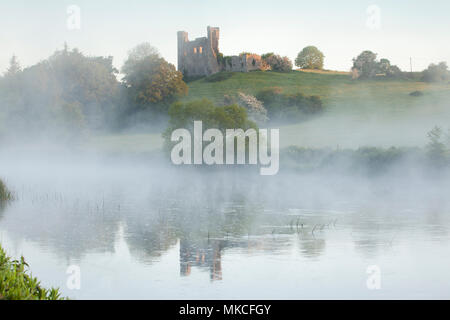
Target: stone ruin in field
{"type": "Point", "coordinates": [201, 57]}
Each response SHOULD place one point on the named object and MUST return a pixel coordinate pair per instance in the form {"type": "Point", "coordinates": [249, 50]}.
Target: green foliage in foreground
{"type": "Point", "coordinates": [17, 284]}
{"type": "Point", "coordinates": [5, 194]}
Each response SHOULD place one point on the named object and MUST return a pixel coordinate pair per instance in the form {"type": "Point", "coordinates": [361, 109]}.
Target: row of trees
{"type": "Point", "coordinates": [366, 66]}
{"type": "Point", "coordinates": [74, 93]}
{"type": "Point", "coordinates": [309, 58]}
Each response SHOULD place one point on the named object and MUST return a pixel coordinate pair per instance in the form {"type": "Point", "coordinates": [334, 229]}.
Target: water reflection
{"type": "Point", "coordinates": [210, 218]}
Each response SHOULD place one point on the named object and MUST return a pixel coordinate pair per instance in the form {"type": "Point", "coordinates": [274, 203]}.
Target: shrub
{"type": "Point", "coordinates": [416, 93]}
{"type": "Point", "coordinates": [289, 107]}
{"type": "Point", "coordinates": [366, 66]}
{"type": "Point", "coordinates": [436, 73]}
{"type": "Point", "coordinates": [5, 194]}
{"type": "Point", "coordinates": [17, 284]}
{"type": "Point", "coordinates": [183, 115]}
{"type": "Point", "coordinates": [436, 148]}
{"type": "Point", "coordinates": [255, 108]}
{"type": "Point", "coordinates": [278, 63]}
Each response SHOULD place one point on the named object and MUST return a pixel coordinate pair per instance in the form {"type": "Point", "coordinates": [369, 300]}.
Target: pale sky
{"type": "Point", "coordinates": [33, 30]}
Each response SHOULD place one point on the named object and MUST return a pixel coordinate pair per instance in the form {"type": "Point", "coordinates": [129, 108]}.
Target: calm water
{"type": "Point", "coordinates": [140, 233]}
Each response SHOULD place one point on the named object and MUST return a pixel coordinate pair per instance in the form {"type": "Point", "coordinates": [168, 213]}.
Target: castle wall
{"type": "Point", "coordinates": [199, 57]}
{"type": "Point", "coordinates": [253, 62]}
{"type": "Point", "coordinates": [243, 63]}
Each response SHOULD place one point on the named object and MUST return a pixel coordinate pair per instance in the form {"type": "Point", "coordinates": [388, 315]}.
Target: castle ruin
{"type": "Point", "coordinates": [201, 57]}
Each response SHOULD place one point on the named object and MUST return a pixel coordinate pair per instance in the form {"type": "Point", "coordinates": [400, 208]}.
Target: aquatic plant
{"type": "Point", "coordinates": [17, 284]}
{"type": "Point", "coordinates": [5, 194]}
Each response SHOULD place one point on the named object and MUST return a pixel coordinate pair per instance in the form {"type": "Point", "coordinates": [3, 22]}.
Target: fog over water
{"type": "Point", "coordinates": [140, 228]}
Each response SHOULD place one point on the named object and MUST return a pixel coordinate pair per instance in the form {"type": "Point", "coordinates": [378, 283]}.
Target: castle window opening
{"type": "Point", "coordinates": [200, 50]}
{"type": "Point", "coordinates": [195, 50]}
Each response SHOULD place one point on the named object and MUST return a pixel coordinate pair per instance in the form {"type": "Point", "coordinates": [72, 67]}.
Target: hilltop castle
{"type": "Point", "coordinates": [201, 57]}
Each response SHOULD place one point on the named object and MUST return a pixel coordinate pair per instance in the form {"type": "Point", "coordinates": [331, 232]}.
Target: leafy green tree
{"type": "Point", "coordinates": [264, 60]}
{"type": "Point", "coordinates": [366, 64]}
{"type": "Point", "coordinates": [278, 63]}
{"type": "Point", "coordinates": [151, 81]}
{"type": "Point", "coordinates": [310, 58]}
{"type": "Point", "coordinates": [436, 148]}
{"type": "Point", "coordinates": [14, 67]}
{"type": "Point", "coordinates": [436, 73]}
{"type": "Point", "coordinates": [183, 115]}
{"type": "Point", "coordinates": [68, 91]}
{"type": "Point", "coordinates": [385, 67]}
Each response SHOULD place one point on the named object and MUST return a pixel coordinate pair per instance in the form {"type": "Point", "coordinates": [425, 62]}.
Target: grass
{"type": "Point", "coordinates": [17, 284]}
{"type": "Point", "coordinates": [376, 112]}
{"type": "Point", "coordinates": [335, 88]}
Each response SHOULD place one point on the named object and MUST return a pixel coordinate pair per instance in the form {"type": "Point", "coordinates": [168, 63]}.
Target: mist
{"type": "Point", "coordinates": [361, 183]}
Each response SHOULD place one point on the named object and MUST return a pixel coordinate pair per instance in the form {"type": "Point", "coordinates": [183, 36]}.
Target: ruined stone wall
{"type": "Point", "coordinates": [253, 62]}
{"type": "Point", "coordinates": [200, 56]}
{"type": "Point", "coordinates": [243, 63]}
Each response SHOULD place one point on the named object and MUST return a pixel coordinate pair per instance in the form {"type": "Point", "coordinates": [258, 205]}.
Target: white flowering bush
{"type": "Point", "coordinates": [255, 108]}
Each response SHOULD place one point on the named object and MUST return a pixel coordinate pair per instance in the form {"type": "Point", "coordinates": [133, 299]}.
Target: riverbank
{"type": "Point", "coordinates": [17, 283]}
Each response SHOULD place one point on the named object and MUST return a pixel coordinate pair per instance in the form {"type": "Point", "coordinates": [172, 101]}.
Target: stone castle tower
{"type": "Point", "coordinates": [201, 57]}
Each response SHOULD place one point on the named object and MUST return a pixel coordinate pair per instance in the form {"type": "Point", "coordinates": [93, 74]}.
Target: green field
{"type": "Point", "coordinates": [357, 113]}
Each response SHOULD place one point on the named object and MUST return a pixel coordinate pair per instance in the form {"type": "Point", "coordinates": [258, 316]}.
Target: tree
{"type": "Point", "coordinates": [385, 68]}
{"type": "Point", "coordinates": [139, 53]}
{"type": "Point", "coordinates": [183, 115]}
{"type": "Point", "coordinates": [64, 93]}
{"type": "Point", "coordinates": [310, 58]}
{"type": "Point", "coordinates": [150, 80]}
{"type": "Point", "coordinates": [278, 63]}
{"type": "Point", "coordinates": [264, 62]}
{"type": "Point", "coordinates": [436, 73]}
{"type": "Point", "coordinates": [365, 64]}
{"type": "Point", "coordinates": [14, 67]}
{"type": "Point", "coordinates": [436, 147]}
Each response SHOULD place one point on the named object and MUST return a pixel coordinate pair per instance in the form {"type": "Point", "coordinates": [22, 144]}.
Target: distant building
{"type": "Point", "coordinates": [201, 57]}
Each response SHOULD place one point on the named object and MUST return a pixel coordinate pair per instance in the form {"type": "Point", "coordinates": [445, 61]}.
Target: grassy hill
{"type": "Point", "coordinates": [378, 112]}
{"type": "Point", "coordinates": [334, 88]}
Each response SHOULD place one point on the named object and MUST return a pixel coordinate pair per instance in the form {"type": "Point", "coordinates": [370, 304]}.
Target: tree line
{"type": "Point", "coordinates": [75, 93]}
